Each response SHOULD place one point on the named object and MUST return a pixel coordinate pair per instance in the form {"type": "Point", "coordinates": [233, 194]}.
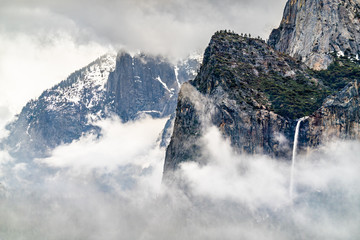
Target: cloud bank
{"type": "Point", "coordinates": [109, 188]}
{"type": "Point", "coordinates": [174, 27]}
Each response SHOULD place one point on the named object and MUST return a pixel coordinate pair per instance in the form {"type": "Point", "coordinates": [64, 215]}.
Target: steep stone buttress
{"type": "Point", "coordinates": [312, 29]}
{"type": "Point", "coordinates": [250, 92]}
{"type": "Point", "coordinates": [254, 95]}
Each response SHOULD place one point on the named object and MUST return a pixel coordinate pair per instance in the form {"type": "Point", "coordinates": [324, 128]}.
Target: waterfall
{"type": "Point", "coordinates": [291, 188]}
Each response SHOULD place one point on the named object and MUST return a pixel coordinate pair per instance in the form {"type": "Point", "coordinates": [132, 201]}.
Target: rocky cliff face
{"type": "Point", "coordinates": [123, 85]}
{"type": "Point", "coordinates": [250, 92]}
{"type": "Point", "coordinates": [338, 118]}
{"type": "Point", "coordinates": [311, 29]}
{"type": "Point", "coordinates": [254, 96]}
{"type": "Point", "coordinates": [146, 85]}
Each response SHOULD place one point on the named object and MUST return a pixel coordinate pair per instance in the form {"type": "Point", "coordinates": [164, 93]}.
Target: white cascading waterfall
{"type": "Point", "coordinates": [291, 188]}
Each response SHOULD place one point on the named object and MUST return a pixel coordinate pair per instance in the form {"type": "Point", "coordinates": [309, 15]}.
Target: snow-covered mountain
{"type": "Point", "coordinates": [70, 109]}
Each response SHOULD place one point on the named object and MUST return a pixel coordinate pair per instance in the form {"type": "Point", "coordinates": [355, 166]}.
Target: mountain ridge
{"type": "Point", "coordinates": [240, 90]}
{"type": "Point", "coordinates": [71, 108]}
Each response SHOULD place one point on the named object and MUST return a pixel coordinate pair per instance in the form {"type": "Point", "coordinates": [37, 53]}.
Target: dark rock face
{"type": "Point", "coordinates": [184, 144]}
{"type": "Point", "coordinates": [142, 85]}
{"type": "Point", "coordinates": [123, 85]}
{"type": "Point", "coordinates": [338, 118]}
{"type": "Point", "coordinates": [240, 91]}
{"type": "Point", "coordinates": [311, 29]}
{"type": "Point", "coordinates": [229, 93]}
{"type": "Point", "coordinates": [147, 85]}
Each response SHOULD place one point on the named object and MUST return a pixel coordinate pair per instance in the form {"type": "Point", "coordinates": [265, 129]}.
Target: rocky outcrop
{"type": "Point", "coordinates": [147, 85]}
{"type": "Point", "coordinates": [338, 118]}
{"type": "Point", "coordinates": [254, 95]}
{"type": "Point", "coordinates": [239, 89]}
{"type": "Point", "coordinates": [311, 29]}
{"type": "Point", "coordinates": [142, 84]}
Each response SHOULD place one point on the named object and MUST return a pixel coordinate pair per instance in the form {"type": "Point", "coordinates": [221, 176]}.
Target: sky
{"type": "Point", "coordinates": [43, 41]}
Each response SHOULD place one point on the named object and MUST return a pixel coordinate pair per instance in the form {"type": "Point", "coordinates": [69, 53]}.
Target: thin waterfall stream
{"type": "Point", "coordinates": [296, 137]}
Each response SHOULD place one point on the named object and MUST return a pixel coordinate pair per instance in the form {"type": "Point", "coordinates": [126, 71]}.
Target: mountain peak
{"type": "Point", "coordinates": [252, 72]}
{"type": "Point", "coordinates": [249, 91]}
{"type": "Point", "coordinates": [130, 86]}
{"type": "Point", "coordinates": [254, 95]}
{"type": "Point", "coordinates": [311, 30]}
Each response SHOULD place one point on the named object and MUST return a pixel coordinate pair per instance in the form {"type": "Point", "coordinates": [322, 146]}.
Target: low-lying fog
{"type": "Point", "coordinates": [110, 188]}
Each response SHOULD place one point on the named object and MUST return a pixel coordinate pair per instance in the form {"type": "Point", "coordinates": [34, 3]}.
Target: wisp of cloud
{"type": "Point", "coordinates": [110, 188]}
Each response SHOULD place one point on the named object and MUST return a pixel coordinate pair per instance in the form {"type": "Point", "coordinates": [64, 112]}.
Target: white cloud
{"type": "Point", "coordinates": [233, 196]}
{"type": "Point", "coordinates": [121, 144]}
{"type": "Point", "coordinates": [125, 156]}
{"type": "Point", "coordinates": [256, 181]}
{"type": "Point", "coordinates": [326, 188]}
{"type": "Point", "coordinates": [172, 28]}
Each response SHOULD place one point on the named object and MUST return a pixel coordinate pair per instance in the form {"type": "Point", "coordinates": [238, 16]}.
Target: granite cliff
{"type": "Point", "coordinates": [247, 90]}
{"type": "Point", "coordinates": [338, 118]}
{"type": "Point", "coordinates": [310, 30]}
{"type": "Point", "coordinates": [254, 95]}
{"type": "Point", "coordinates": [147, 85]}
